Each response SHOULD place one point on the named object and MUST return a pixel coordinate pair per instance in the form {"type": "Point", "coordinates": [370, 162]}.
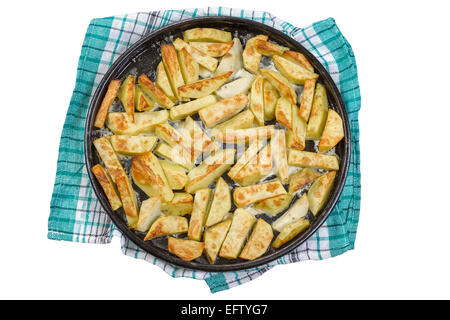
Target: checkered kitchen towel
{"type": "Point", "coordinates": [75, 213]}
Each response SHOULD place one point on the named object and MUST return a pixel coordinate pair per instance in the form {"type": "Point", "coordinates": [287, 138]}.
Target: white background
{"type": "Point", "coordinates": [402, 246]}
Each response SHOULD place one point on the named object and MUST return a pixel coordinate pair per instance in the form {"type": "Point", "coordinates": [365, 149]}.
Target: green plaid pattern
{"type": "Point", "coordinates": [75, 213]}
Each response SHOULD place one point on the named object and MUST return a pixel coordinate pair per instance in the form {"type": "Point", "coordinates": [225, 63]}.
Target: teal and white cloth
{"type": "Point", "coordinates": [76, 214]}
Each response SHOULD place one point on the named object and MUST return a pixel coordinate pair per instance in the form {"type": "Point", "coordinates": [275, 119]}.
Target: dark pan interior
{"type": "Point", "coordinates": [143, 57]}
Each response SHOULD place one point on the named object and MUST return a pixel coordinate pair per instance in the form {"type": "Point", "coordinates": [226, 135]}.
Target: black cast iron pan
{"type": "Point", "coordinates": [143, 57]}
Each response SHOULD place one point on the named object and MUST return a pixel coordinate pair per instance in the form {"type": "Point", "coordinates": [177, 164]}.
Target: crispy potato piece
{"type": "Point", "coordinates": [275, 205]}
{"type": "Point", "coordinates": [251, 56]}
{"type": "Point", "coordinates": [149, 176]}
{"type": "Point", "coordinates": [241, 85]}
{"type": "Point", "coordinates": [201, 201]}
{"type": "Point", "coordinates": [256, 169]}
{"type": "Point", "coordinates": [120, 123]}
{"type": "Point", "coordinates": [180, 205]}
{"type": "Point", "coordinates": [202, 59]}
{"type": "Point", "coordinates": [110, 96]}
{"type": "Point", "coordinates": [298, 211]}
{"type": "Point", "coordinates": [259, 241]}
{"type": "Point", "coordinates": [240, 227]}
{"type": "Point", "coordinates": [141, 101]}
{"type": "Point", "coordinates": [175, 174]}
{"type": "Point", "coordinates": [271, 97]}
{"type": "Point", "coordinates": [200, 142]}
{"type": "Point", "coordinates": [204, 73]}
{"type": "Point", "coordinates": [126, 96]}
{"type": "Point", "coordinates": [213, 49]}
{"type": "Point", "coordinates": [292, 71]}
{"type": "Point", "coordinates": [332, 133]}
{"type": "Point", "coordinates": [282, 84]}
{"type": "Point", "coordinates": [223, 110]}
{"type": "Point", "coordinates": [186, 250]}
{"type": "Point", "coordinates": [107, 185]}
{"type": "Point", "coordinates": [320, 190]}
{"type": "Point", "coordinates": [109, 157]}
{"type": "Point", "coordinates": [257, 100]}
{"type": "Point", "coordinates": [209, 170]}
{"type": "Point", "coordinates": [246, 157]}
{"type": "Point", "coordinates": [163, 83]}
{"type": "Point", "coordinates": [214, 237]}
{"type": "Point", "coordinates": [221, 203]}
{"type": "Point", "coordinates": [290, 232]}
{"type": "Point", "coordinates": [283, 112]}
{"type": "Point", "coordinates": [172, 137]}
{"type": "Point", "coordinates": [244, 196]}
{"type": "Point", "coordinates": [242, 135]}
{"type": "Point", "coordinates": [150, 211]}
{"type": "Point", "coordinates": [298, 58]}
{"type": "Point", "coordinates": [301, 178]}
{"type": "Point", "coordinates": [268, 48]}
{"type": "Point", "coordinates": [280, 156]}
{"type": "Point", "coordinates": [232, 60]}
{"type": "Point", "coordinates": [203, 87]}
{"type": "Point", "coordinates": [128, 197]}
{"type": "Point", "coordinates": [188, 109]}
{"type": "Point", "coordinates": [307, 99]}
{"type": "Point", "coordinates": [319, 113]}
{"type": "Point", "coordinates": [167, 224]}
{"type": "Point", "coordinates": [177, 155]}
{"type": "Point", "coordinates": [172, 67]}
{"type": "Point", "coordinates": [132, 145]}
{"type": "Point", "coordinates": [206, 34]}
{"type": "Point", "coordinates": [155, 92]}
{"type": "Point", "coordinates": [298, 130]}
{"type": "Point", "coordinates": [312, 160]}
{"type": "Point", "coordinates": [243, 120]}
{"type": "Point", "coordinates": [189, 67]}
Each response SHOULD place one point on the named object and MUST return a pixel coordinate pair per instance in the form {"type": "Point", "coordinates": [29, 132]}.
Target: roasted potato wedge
{"type": "Point", "coordinates": [213, 49]}
{"type": "Point", "coordinates": [203, 87]}
{"type": "Point", "coordinates": [202, 59]}
{"type": "Point", "coordinates": [126, 96]}
{"type": "Point", "coordinates": [150, 211]}
{"type": "Point", "coordinates": [320, 190]}
{"type": "Point", "coordinates": [298, 211]}
{"type": "Point", "coordinates": [244, 196]}
{"type": "Point", "coordinates": [172, 137]}
{"type": "Point", "coordinates": [251, 56]}
{"type": "Point", "coordinates": [198, 214]}
{"type": "Point", "coordinates": [167, 224]}
{"type": "Point", "coordinates": [163, 83]}
{"type": "Point", "coordinates": [282, 84]}
{"type": "Point", "coordinates": [181, 111]}
{"type": "Point", "coordinates": [172, 67]}
{"type": "Point", "coordinates": [312, 160]}
{"type": "Point", "coordinates": [132, 145]}
{"type": "Point", "coordinates": [259, 241]}
{"type": "Point", "coordinates": [242, 135]}
{"type": "Point", "coordinates": [189, 67]}
{"type": "Point", "coordinates": [298, 58]}
{"type": "Point", "coordinates": [256, 169]}
{"type": "Point", "coordinates": [292, 71]}
{"type": "Point", "coordinates": [209, 170]}
{"type": "Point", "coordinates": [186, 250]}
{"type": "Point", "coordinates": [141, 101]}
{"type": "Point", "coordinates": [271, 97]}
{"type": "Point", "coordinates": [177, 155]}
{"type": "Point", "coordinates": [290, 232]}
{"type": "Point", "coordinates": [307, 99]}
{"type": "Point", "coordinates": [240, 227]}
{"type": "Point", "coordinates": [268, 48]}
{"type": "Point", "coordinates": [298, 136]}
{"type": "Point", "coordinates": [109, 157]}
{"type": "Point", "coordinates": [242, 120]}
{"type": "Point", "coordinates": [149, 176]}
{"type": "Point", "coordinates": [200, 142]}
{"type": "Point", "coordinates": [221, 203]}
{"type": "Point", "coordinates": [332, 133]}
{"type": "Point", "coordinates": [241, 85]}
{"type": "Point", "coordinates": [108, 186]}
{"type": "Point", "coordinates": [301, 178]}
{"type": "Point", "coordinates": [246, 157]}
{"type": "Point", "coordinates": [154, 92]}
{"type": "Point", "coordinates": [110, 96]}
{"type": "Point", "coordinates": [180, 205]}
{"type": "Point", "coordinates": [280, 156]}
{"type": "Point", "coordinates": [223, 110]}
{"type": "Point", "coordinates": [206, 34]}
{"type": "Point", "coordinates": [214, 237]}
{"type": "Point", "coordinates": [120, 123]}
{"type": "Point", "coordinates": [257, 99]}
{"type": "Point", "coordinates": [232, 60]}
{"type": "Point", "coordinates": [175, 174]}
{"type": "Point", "coordinates": [128, 197]}
{"type": "Point", "coordinates": [283, 112]}
{"type": "Point", "coordinates": [319, 113]}
{"type": "Point", "coordinates": [275, 205]}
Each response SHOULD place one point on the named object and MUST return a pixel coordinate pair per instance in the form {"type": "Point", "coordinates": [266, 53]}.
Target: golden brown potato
{"type": "Point", "coordinates": [243, 135]}
{"type": "Point", "coordinates": [202, 59]}
{"type": "Point", "coordinates": [307, 99]}
{"type": "Point", "coordinates": [163, 83]}
{"type": "Point", "coordinates": [319, 113]}
{"type": "Point", "coordinates": [282, 84]}
{"type": "Point", "coordinates": [221, 203]}
{"type": "Point", "coordinates": [256, 169]}
{"type": "Point", "coordinates": [257, 100]}
{"type": "Point", "coordinates": [203, 87]}
{"type": "Point", "coordinates": [320, 190]}
{"type": "Point", "coordinates": [275, 205]}
{"type": "Point", "coordinates": [268, 48]}
{"type": "Point", "coordinates": [175, 174]}
{"type": "Point", "coordinates": [180, 205]}
{"type": "Point", "coordinates": [108, 187]}
{"type": "Point", "coordinates": [165, 225]}
{"type": "Point", "coordinates": [132, 145]}
{"type": "Point", "coordinates": [298, 58]}
{"type": "Point", "coordinates": [172, 137]}
{"type": "Point", "coordinates": [270, 100]}
{"type": "Point", "coordinates": [301, 178]}
{"type": "Point", "coordinates": [109, 157]}
{"type": "Point", "coordinates": [332, 133]}
{"type": "Point", "coordinates": [244, 196]}
{"type": "Point", "coordinates": [172, 67]}
{"type": "Point", "coordinates": [280, 156]}
{"type": "Point", "coordinates": [177, 155]}
{"type": "Point", "coordinates": [120, 123]}
{"type": "Point", "coordinates": [251, 56]}
{"type": "Point", "coordinates": [181, 111]}
{"type": "Point", "coordinates": [198, 215]}
{"type": "Point", "coordinates": [283, 112]}
{"type": "Point", "coordinates": [246, 157]}
{"type": "Point", "coordinates": [189, 67]}
{"type": "Point", "coordinates": [200, 142]}
{"type": "Point", "coordinates": [290, 232]}
{"type": "Point", "coordinates": [298, 211]}
{"type": "Point", "coordinates": [154, 92]}
{"type": "Point", "coordinates": [232, 60]}
{"type": "Point", "coordinates": [110, 96]}
{"type": "Point", "coordinates": [223, 110]}
{"type": "Point", "coordinates": [258, 242]}
{"type": "Point", "coordinates": [298, 135]}
{"type": "Point", "coordinates": [186, 250]}
{"type": "Point", "coordinates": [312, 160]}
{"type": "Point", "coordinates": [241, 85]}
{"type": "Point", "coordinates": [126, 96]}
{"type": "Point", "coordinates": [149, 212]}
{"type": "Point", "coordinates": [292, 71]}
{"type": "Point", "coordinates": [213, 49]}
{"type": "Point", "coordinates": [242, 120]}
{"type": "Point", "coordinates": [128, 197]}
{"type": "Point", "coordinates": [141, 101]}
{"type": "Point", "coordinates": [214, 237]}
{"type": "Point", "coordinates": [206, 34]}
